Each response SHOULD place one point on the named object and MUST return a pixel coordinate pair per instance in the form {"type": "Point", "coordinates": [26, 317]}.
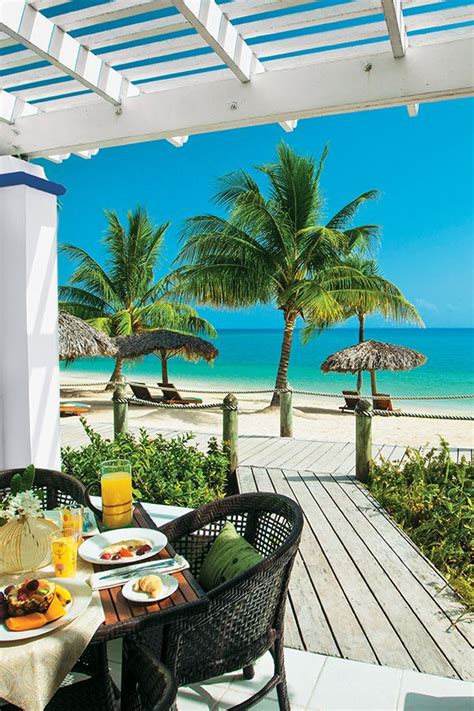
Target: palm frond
{"type": "Point", "coordinates": [232, 186]}
{"type": "Point", "coordinates": [90, 274]}
{"type": "Point", "coordinates": [345, 216]}
{"type": "Point", "coordinates": [74, 294]}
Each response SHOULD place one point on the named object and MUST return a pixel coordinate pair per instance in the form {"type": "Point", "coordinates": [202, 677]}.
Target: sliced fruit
{"type": "Point", "coordinates": [55, 610]}
{"type": "Point", "coordinates": [26, 622]}
{"type": "Point", "coordinates": [64, 595]}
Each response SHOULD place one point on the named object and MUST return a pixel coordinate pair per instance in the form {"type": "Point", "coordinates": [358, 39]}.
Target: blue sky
{"type": "Point", "coordinates": [423, 168]}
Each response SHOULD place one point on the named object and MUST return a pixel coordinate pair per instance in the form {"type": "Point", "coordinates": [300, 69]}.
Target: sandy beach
{"type": "Point", "coordinates": [315, 418]}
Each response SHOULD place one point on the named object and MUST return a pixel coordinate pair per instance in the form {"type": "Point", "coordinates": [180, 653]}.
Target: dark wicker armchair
{"type": "Point", "coordinates": [154, 688]}
{"type": "Point", "coordinates": [58, 488]}
{"type": "Point", "coordinates": [244, 617]}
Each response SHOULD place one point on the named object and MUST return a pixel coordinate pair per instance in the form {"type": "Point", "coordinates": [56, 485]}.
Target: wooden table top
{"type": "Point", "coordinates": [122, 615]}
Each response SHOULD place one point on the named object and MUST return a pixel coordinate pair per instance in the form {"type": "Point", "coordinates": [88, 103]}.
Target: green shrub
{"type": "Point", "coordinates": [164, 471]}
{"type": "Point", "coordinates": [431, 497]}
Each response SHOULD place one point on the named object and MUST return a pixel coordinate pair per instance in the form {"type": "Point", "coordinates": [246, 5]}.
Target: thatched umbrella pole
{"type": "Point", "coordinates": [373, 382]}
{"type": "Point", "coordinates": [164, 366]}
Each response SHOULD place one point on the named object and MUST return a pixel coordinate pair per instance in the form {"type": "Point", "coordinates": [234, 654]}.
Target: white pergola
{"type": "Point", "coordinates": [73, 81]}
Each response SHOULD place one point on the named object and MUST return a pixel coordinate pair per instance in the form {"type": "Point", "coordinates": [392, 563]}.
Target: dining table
{"type": "Point", "coordinates": [31, 671]}
{"type": "Point", "coordinates": [123, 616]}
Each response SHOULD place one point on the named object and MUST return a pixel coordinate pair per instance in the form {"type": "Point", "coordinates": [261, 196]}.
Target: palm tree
{"type": "Point", "coordinates": [123, 296]}
{"type": "Point", "coordinates": [385, 299]}
{"type": "Point", "coordinates": [271, 246]}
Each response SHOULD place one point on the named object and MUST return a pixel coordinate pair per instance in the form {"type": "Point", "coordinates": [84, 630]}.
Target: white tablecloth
{"type": "Point", "coordinates": [32, 671]}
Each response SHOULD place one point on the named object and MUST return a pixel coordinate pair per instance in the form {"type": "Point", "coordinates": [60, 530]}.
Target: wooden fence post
{"type": "Point", "coordinates": [286, 413]}
{"type": "Point", "coordinates": [120, 405]}
{"type": "Point", "coordinates": [230, 429]}
{"type": "Point", "coordinates": [363, 438]}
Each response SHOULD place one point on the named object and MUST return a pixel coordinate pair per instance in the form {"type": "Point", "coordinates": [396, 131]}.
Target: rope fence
{"type": "Point", "coordinates": [362, 410]}
{"type": "Point", "coordinates": [171, 406]}
{"type": "Point", "coordinates": [262, 391]}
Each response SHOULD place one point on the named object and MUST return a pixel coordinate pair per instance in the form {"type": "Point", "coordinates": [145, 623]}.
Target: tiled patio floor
{"type": "Point", "coordinates": [318, 683]}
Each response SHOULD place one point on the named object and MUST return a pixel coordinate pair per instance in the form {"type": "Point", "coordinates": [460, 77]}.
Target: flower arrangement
{"type": "Point", "coordinates": [25, 535]}
{"type": "Point", "coordinates": [26, 503]}
{"type": "Point", "coordinates": [22, 500]}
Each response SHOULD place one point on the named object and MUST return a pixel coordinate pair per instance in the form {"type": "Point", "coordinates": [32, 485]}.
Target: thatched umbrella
{"type": "Point", "coordinates": [372, 356]}
{"type": "Point", "coordinates": [165, 345]}
{"type": "Point", "coordinates": [77, 339]}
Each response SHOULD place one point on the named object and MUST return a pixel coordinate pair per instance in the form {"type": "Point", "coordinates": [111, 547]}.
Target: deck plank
{"type": "Point", "coordinates": [403, 601]}
{"type": "Point", "coordinates": [335, 624]}
{"type": "Point", "coordinates": [350, 587]}
{"type": "Point", "coordinates": [344, 560]}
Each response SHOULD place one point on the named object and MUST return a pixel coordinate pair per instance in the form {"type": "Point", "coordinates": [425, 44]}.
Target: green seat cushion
{"type": "Point", "coordinates": [229, 555]}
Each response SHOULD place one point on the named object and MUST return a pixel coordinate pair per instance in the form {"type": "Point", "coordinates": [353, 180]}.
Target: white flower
{"type": "Point", "coordinates": [26, 503]}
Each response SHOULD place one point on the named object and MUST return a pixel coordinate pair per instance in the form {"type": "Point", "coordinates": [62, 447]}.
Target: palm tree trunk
{"type": "Point", "coordinates": [282, 374]}
{"type": "Point", "coordinates": [117, 374]}
{"type": "Point", "coordinates": [361, 340]}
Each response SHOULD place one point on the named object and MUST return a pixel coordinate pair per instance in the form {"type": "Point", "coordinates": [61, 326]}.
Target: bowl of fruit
{"type": "Point", "coordinates": [124, 545]}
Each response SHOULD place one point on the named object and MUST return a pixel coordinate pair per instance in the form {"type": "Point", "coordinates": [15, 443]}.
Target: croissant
{"type": "Point", "coordinates": [149, 584]}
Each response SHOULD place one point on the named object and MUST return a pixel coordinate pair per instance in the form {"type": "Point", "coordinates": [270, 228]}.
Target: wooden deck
{"type": "Point", "coordinates": [360, 588]}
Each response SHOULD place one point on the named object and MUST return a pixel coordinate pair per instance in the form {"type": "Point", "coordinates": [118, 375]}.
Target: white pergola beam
{"type": "Point", "coordinates": [216, 29]}
{"type": "Point", "coordinates": [435, 71]}
{"type": "Point", "coordinates": [12, 107]}
{"type": "Point", "coordinates": [87, 155]}
{"type": "Point", "coordinates": [178, 141]}
{"type": "Point", "coordinates": [289, 126]}
{"type": "Point", "coordinates": [58, 158]}
{"type": "Point", "coordinates": [26, 25]}
{"type": "Point", "coordinates": [392, 10]}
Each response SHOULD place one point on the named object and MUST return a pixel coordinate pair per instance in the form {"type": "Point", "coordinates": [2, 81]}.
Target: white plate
{"type": "Point", "coordinates": [81, 596]}
{"type": "Point", "coordinates": [170, 585]}
{"type": "Point", "coordinates": [91, 549]}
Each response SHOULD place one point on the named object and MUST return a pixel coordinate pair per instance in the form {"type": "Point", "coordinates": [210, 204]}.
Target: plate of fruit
{"type": "Point", "coordinates": [124, 545]}
{"type": "Point", "coordinates": [36, 606]}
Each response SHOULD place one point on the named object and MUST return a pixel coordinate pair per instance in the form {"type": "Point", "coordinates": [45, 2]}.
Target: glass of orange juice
{"type": "Point", "coordinates": [64, 552]}
{"type": "Point", "coordinates": [72, 518]}
{"type": "Point", "coordinates": [116, 490]}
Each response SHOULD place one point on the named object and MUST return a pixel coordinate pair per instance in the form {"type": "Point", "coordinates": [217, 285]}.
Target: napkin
{"type": "Point", "coordinates": [119, 576]}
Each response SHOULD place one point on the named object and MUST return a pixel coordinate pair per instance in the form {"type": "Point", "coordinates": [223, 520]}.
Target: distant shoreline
{"type": "Point", "coordinates": [221, 389]}
{"type": "Point", "coordinates": [248, 359]}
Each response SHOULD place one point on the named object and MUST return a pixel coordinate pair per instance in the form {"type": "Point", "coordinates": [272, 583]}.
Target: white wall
{"type": "Point", "coordinates": [29, 368]}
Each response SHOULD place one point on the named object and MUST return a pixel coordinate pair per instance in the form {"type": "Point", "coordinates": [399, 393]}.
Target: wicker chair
{"type": "Point", "coordinates": [58, 488]}
{"type": "Point", "coordinates": [244, 617]}
{"type": "Point", "coordinates": [154, 688]}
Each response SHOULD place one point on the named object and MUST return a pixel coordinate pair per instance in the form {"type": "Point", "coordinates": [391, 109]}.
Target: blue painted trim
{"type": "Point", "coordinates": [22, 178]}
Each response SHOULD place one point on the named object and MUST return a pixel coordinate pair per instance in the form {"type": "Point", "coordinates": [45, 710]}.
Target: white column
{"type": "Point", "coordinates": [29, 368]}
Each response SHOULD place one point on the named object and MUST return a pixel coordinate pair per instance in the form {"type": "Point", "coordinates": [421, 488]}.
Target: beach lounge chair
{"type": "Point", "coordinates": [73, 409]}
{"type": "Point", "coordinates": [382, 401]}
{"type": "Point", "coordinates": [172, 396]}
{"type": "Point", "coordinates": [141, 392]}
{"type": "Point", "coordinates": [351, 398]}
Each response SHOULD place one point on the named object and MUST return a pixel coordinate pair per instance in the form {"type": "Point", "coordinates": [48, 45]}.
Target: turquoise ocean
{"type": "Point", "coordinates": [249, 358]}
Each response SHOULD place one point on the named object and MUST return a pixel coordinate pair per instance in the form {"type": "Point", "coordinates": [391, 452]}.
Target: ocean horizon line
{"type": "Point", "coordinates": [277, 329]}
